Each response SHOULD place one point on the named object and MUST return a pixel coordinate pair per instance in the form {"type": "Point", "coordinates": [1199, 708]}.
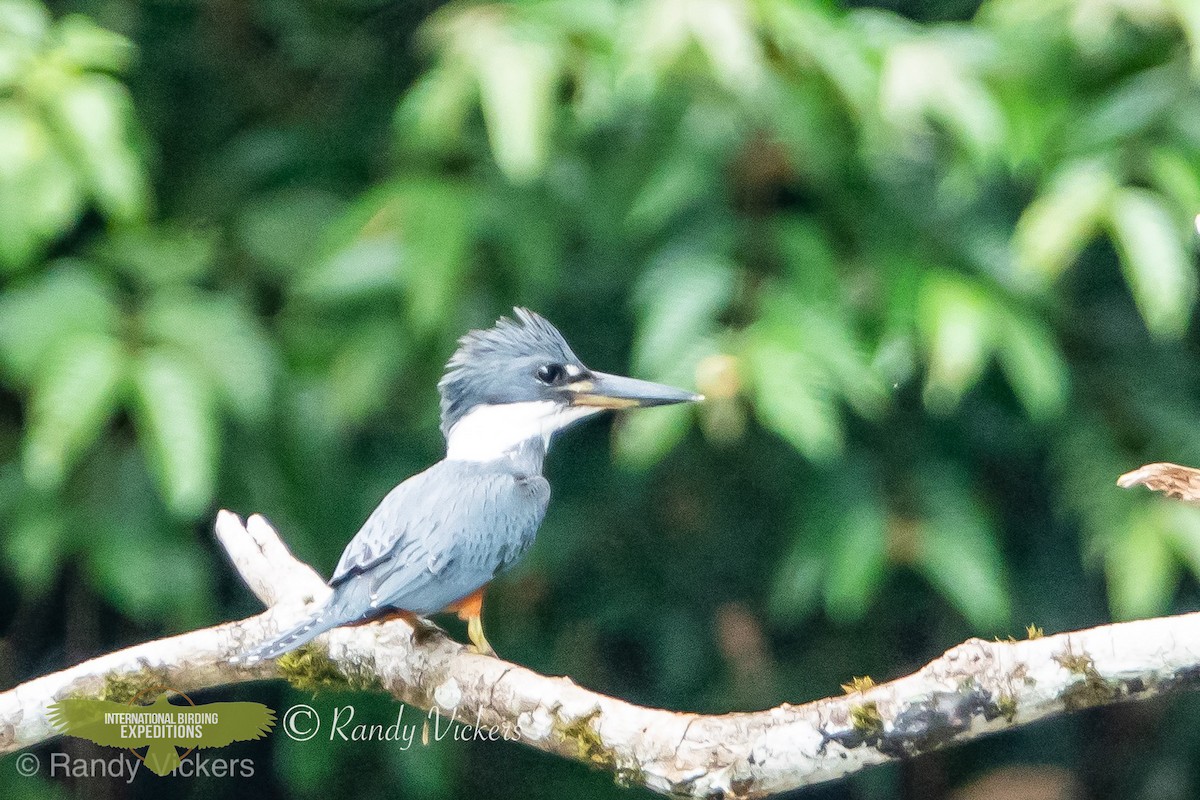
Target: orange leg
{"type": "Point", "coordinates": [470, 609]}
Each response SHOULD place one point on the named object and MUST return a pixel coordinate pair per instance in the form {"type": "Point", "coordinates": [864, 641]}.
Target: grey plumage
{"type": "Point", "coordinates": [443, 534]}
{"type": "Point", "coordinates": [433, 540]}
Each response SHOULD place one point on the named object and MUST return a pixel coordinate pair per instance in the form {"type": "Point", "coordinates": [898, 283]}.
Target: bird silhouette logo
{"type": "Point", "coordinates": [162, 727]}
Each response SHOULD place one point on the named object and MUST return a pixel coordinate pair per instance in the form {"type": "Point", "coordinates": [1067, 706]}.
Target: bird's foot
{"type": "Point", "coordinates": [479, 643]}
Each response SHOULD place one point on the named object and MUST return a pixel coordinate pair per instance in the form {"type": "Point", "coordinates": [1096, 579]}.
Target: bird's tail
{"type": "Point", "coordinates": [326, 618]}
{"type": "Point", "coordinates": [162, 758]}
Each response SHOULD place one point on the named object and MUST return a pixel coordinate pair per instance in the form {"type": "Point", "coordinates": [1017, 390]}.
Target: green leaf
{"type": "Point", "coordinates": [75, 392]}
{"type": "Point", "coordinates": [37, 315]}
{"type": "Point", "coordinates": [363, 268]}
{"type": "Point", "coordinates": [435, 235]}
{"type": "Point", "coordinates": [825, 336]}
{"type": "Point", "coordinates": [792, 397]}
{"type": "Point", "coordinates": [1034, 365]}
{"type": "Point", "coordinates": [40, 195]}
{"type": "Point", "coordinates": [517, 80]}
{"type": "Point", "coordinates": [35, 543]}
{"type": "Point", "coordinates": [175, 416]}
{"type": "Point", "coordinates": [161, 255]}
{"type": "Point", "coordinates": [1188, 15]}
{"type": "Point", "coordinates": [433, 113]}
{"type": "Point", "coordinates": [818, 332]}
{"type": "Point", "coordinates": [858, 557]}
{"type": "Point", "coordinates": [959, 553]}
{"type": "Point", "coordinates": [1086, 459]}
{"type": "Point", "coordinates": [1130, 109]}
{"type": "Point", "coordinates": [1154, 260]}
{"type": "Point", "coordinates": [642, 440]}
{"type": "Point", "coordinates": [1068, 213]}
{"type": "Point", "coordinates": [1176, 175]}
{"type": "Point", "coordinates": [283, 230]}
{"type": "Point", "coordinates": [929, 79]}
{"type": "Point", "coordinates": [411, 235]}
{"type": "Point", "coordinates": [677, 183]}
{"type": "Point", "coordinates": [23, 22]}
{"type": "Point", "coordinates": [150, 577]}
{"type": "Point", "coordinates": [665, 38]}
{"type": "Point", "coordinates": [727, 34]}
{"type": "Point", "coordinates": [680, 300]}
{"type": "Point", "coordinates": [94, 117]}
{"type": "Point", "coordinates": [1180, 523]}
{"type": "Point", "coordinates": [797, 587]}
{"type": "Point", "coordinates": [360, 378]}
{"type": "Point", "coordinates": [806, 32]}
{"type": "Point", "coordinates": [87, 46]}
{"type": "Point", "coordinates": [1142, 572]}
{"type": "Point", "coordinates": [956, 322]}
{"type": "Point", "coordinates": [225, 340]}
{"type": "Point", "coordinates": [811, 261]}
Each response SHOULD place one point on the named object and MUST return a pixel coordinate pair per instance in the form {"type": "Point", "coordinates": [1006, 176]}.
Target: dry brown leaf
{"type": "Point", "coordinates": [1171, 479]}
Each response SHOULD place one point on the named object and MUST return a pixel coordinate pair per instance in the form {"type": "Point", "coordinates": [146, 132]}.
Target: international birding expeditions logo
{"type": "Point", "coordinates": [162, 726]}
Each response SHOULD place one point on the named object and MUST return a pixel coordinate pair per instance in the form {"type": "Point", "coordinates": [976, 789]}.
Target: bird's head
{"type": "Point", "coordinates": [519, 381]}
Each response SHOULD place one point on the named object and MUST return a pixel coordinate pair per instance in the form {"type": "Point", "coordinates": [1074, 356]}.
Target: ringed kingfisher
{"type": "Point", "coordinates": [439, 537]}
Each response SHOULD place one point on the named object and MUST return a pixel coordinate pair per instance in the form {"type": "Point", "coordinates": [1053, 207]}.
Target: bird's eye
{"type": "Point", "coordinates": [551, 374]}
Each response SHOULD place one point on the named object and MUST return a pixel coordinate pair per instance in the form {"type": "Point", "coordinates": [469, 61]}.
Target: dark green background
{"type": "Point", "coordinates": [933, 264]}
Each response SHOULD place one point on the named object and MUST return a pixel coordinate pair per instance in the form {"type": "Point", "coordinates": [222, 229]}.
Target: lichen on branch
{"type": "Point", "coordinates": [973, 689]}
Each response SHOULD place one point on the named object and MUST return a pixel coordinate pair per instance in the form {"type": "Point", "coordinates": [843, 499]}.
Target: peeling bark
{"type": "Point", "coordinates": [973, 689]}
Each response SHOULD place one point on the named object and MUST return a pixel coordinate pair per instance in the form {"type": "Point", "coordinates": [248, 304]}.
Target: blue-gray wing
{"type": "Point", "coordinates": [441, 535]}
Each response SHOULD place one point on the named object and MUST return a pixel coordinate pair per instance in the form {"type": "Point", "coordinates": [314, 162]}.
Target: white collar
{"type": "Point", "coordinates": [488, 432]}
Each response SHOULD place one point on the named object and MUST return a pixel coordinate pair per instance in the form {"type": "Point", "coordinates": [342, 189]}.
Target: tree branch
{"type": "Point", "coordinates": [975, 688]}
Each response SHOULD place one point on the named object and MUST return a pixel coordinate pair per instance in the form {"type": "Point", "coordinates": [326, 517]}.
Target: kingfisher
{"type": "Point", "coordinates": [435, 541]}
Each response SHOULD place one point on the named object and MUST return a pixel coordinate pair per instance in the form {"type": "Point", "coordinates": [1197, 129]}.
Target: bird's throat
{"type": "Point", "coordinates": [489, 432]}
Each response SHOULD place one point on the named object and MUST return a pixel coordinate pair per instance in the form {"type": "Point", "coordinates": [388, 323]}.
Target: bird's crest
{"type": "Point", "coordinates": [481, 369]}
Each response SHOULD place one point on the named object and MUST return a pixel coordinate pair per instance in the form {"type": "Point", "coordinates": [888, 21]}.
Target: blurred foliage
{"type": "Point", "coordinates": [933, 265]}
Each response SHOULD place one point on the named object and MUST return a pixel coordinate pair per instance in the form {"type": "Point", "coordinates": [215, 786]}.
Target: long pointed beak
{"type": "Point", "coordinates": [613, 391]}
